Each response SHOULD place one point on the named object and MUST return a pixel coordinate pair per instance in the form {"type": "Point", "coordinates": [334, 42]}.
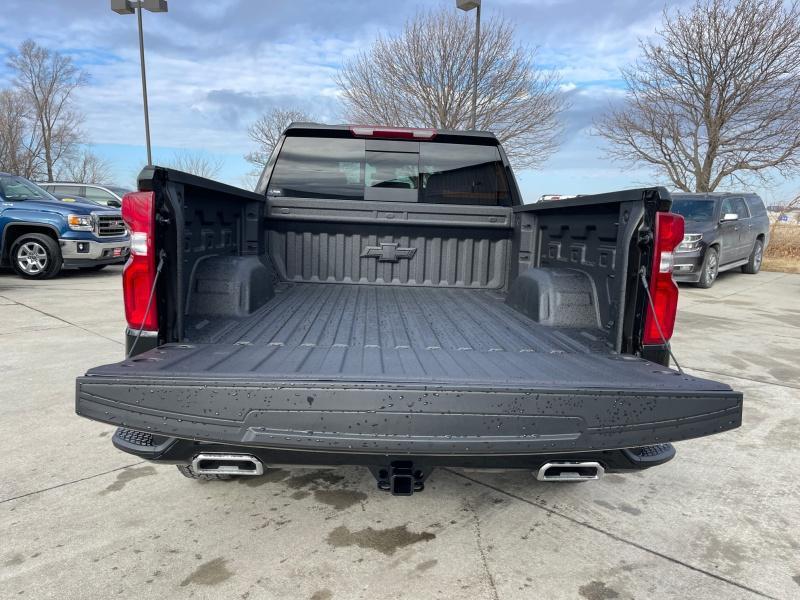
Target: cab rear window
{"type": "Point", "coordinates": [391, 171]}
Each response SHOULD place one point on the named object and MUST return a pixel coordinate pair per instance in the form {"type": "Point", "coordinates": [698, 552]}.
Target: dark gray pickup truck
{"type": "Point", "coordinates": [386, 300]}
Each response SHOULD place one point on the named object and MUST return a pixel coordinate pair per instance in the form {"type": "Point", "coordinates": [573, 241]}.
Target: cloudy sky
{"type": "Point", "coordinates": [214, 65]}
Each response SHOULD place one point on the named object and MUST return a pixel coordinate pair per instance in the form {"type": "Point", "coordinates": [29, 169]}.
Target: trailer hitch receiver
{"type": "Point", "coordinates": [401, 477]}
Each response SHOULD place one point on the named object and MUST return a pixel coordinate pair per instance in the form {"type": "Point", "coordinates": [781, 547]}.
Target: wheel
{"type": "Point", "coordinates": [187, 471]}
{"type": "Point", "coordinates": [36, 256]}
{"type": "Point", "coordinates": [94, 268]}
{"type": "Point", "coordinates": [753, 265]}
{"type": "Point", "coordinates": [710, 268]}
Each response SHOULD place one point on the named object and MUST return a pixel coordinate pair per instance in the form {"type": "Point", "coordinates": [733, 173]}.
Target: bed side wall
{"type": "Point", "coordinates": [573, 263]}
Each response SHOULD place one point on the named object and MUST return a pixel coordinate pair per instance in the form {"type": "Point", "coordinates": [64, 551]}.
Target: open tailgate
{"type": "Point", "coordinates": [568, 403]}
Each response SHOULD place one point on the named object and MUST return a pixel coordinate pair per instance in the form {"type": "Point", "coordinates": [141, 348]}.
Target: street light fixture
{"type": "Point", "coordinates": [466, 6]}
{"type": "Point", "coordinates": [128, 7]}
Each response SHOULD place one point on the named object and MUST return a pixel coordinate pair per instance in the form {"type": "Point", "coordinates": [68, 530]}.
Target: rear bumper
{"type": "Point", "coordinates": [437, 421]}
{"type": "Point", "coordinates": [178, 451]}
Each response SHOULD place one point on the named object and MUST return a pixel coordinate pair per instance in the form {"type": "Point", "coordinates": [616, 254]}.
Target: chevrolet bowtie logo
{"type": "Point", "coordinates": [388, 252]}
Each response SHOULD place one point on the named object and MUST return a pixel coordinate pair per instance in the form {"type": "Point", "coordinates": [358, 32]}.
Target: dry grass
{"type": "Point", "coordinates": [783, 252]}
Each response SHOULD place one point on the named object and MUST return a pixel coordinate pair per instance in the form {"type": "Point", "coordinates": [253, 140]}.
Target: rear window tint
{"type": "Point", "coordinates": [319, 168]}
{"type": "Point", "coordinates": [429, 172]}
{"type": "Point", "coordinates": [756, 206]}
{"type": "Point", "coordinates": [463, 174]}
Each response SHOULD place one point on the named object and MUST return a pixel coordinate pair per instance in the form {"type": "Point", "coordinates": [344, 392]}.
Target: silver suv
{"type": "Point", "coordinates": [108, 195]}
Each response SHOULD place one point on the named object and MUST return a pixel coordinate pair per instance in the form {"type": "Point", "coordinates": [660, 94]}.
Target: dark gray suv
{"type": "Point", "coordinates": [723, 231]}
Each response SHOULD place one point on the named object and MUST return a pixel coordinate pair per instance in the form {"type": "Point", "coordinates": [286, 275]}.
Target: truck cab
{"type": "Point", "coordinates": [40, 234]}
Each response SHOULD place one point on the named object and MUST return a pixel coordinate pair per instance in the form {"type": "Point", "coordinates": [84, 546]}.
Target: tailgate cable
{"type": "Point", "coordinates": [161, 256]}
{"type": "Point", "coordinates": [643, 274]}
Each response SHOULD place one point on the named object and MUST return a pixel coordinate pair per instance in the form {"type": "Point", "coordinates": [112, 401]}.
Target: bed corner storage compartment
{"type": "Point", "coordinates": [229, 286]}
{"type": "Point", "coordinates": [556, 297]}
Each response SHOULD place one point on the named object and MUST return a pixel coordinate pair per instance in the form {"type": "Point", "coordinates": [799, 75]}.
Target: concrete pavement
{"type": "Point", "coordinates": [81, 520]}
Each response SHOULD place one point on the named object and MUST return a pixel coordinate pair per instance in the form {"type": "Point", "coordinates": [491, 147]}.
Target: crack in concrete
{"type": "Point", "coordinates": [66, 483]}
{"type": "Point", "coordinates": [615, 537]}
{"type": "Point", "coordinates": [57, 318]}
{"type": "Point", "coordinates": [761, 381]}
{"type": "Point", "coordinates": [482, 552]}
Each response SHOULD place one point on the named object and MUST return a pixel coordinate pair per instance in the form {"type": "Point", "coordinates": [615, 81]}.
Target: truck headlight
{"type": "Point", "coordinates": [80, 222]}
{"type": "Point", "coordinates": [691, 241]}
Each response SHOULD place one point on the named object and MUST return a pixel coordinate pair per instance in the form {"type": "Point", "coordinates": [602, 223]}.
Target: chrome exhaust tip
{"type": "Point", "coordinates": [570, 471]}
{"type": "Point", "coordinates": [227, 464]}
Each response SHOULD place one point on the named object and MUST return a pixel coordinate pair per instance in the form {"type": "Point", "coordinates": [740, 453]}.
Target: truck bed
{"type": "Point", "coordinates": [392, 333]}
{"type": "Point", "coordinates": [404, 370]}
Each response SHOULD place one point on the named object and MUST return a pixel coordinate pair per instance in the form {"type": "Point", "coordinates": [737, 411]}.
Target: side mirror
{"type": "Point", "coordinates": [730, 217]}
{"type": "Point", "coordinates": [115, 203]}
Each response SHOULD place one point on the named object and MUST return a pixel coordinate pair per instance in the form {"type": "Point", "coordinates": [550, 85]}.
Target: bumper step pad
{"type": "Point", "coordinates": [651, 455]}
{"type": "Point", "coordinates": [141, 443]}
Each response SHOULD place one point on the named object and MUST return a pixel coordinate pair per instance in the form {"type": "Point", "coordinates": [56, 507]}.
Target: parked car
{"type": "Point", "coordinates": [107, 195]}
{"type": "Point", "coordinates": [386, 300]}
{"type": "Point", "coordinates": [40, 234]}
{"type": "Point", "coordinates": [723, 231]}
{"type": "Point", "coordinates": [80, 200]}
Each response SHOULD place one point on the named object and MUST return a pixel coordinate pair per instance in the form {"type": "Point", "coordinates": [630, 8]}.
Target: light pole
{"type": "Point", "coordinates": [128, 7]}
{"type": "Point", "coordinates": [466, 6]}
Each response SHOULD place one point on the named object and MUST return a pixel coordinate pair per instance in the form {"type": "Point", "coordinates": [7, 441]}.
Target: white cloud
{"type": "Point", "coordinates": [212, 66]}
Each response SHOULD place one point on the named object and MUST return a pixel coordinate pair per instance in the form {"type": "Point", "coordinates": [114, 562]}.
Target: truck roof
{"type": "Point", "coordinates": [390, 132]}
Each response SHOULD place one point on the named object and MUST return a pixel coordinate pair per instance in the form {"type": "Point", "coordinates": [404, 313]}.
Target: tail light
{"type": "Point", "coordinates": [139, 214]}
{"type": "Point", "coordinates": [668, 234]}
{"type": "Point", "coordinates": [401, 133]}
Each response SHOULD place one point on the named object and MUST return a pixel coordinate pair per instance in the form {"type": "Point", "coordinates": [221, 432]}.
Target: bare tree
{"type": "Point", "coordinates": [85, 167]}
{"type": "Point", "coordinates": [267, 130]}
{"type": "Point", "coordinates": [715, 96]}
{"type": "Point", "coordinates": [196, 163]}
{"type": "Point", "coordinates": [20, 143]}
{"type": "Point", "coordinates": [47, 79]}
{"type": "Point", "coordinates": [422, 77]}
{"type": "Point", "coordinates": [248, 181]}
